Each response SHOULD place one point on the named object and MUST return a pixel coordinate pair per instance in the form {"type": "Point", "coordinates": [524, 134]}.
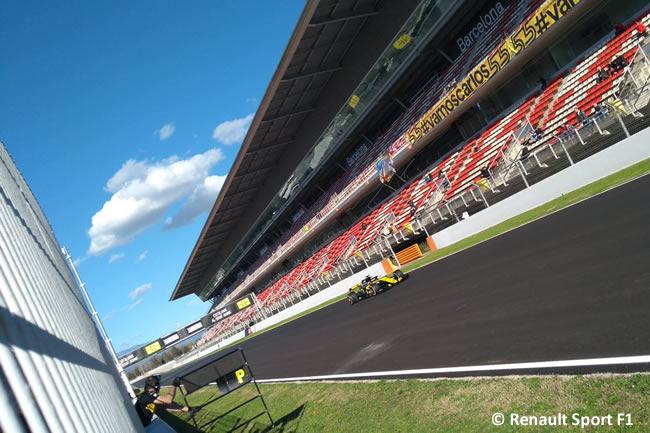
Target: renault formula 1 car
{"type": "Point", "coordinates": [371, 286]}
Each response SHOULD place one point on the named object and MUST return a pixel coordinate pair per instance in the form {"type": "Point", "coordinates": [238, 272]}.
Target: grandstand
{"type": "Point", "coordinates": [367, 82]}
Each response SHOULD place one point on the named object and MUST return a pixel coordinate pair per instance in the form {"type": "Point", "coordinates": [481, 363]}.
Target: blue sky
{"type": "Point", "coordinates": [125, 117]}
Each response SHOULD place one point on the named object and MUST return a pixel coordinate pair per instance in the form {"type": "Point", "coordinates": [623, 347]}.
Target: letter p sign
{"type": "Point", "coordinates": [240, 374]}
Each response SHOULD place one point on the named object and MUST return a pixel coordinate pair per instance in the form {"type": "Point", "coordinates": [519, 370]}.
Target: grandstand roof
{"type": "Point", "coordinates": [326, 56]}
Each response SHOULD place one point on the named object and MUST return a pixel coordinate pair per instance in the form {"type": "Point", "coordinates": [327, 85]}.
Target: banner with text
{"type": "Point", "coordinates": [187, 331]}
{"type": "Point", "coordinates": [546, 16]}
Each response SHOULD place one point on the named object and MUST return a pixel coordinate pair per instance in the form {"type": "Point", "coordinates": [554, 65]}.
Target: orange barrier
{"type": "Point", "coordinates": [409, 254]}
{"type": "Point", "coordinates": [389, 268]}
{"type": "Point", "coordinates": [432, 244]}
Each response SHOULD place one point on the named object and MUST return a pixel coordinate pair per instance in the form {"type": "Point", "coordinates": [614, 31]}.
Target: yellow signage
{"type": "Point", "coordinates": [240, 375]}
{"type": "Point", "coordinates": [153, 348]}
{"type": "Point", "coordinates": [354, 100]}
{"type": "Point", "coordinates": [243, 303]}
{"type": "Point", "coordinates": [547, 15]}
{"type": "Point", "coordinates": [402, 41]}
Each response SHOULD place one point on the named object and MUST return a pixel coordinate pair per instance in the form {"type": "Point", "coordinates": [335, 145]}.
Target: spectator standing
{"type": "Point", "coordinates": [581, 117]}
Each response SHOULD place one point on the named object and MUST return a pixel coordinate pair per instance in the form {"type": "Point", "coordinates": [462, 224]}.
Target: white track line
{"type": "Point", "coordinates": [474, 368]}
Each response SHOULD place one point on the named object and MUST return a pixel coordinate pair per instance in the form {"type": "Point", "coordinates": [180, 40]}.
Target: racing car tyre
{"type": "Point", "coordinates": [398, 275]}
{"type": "Point", "coordinates": [352, 298]}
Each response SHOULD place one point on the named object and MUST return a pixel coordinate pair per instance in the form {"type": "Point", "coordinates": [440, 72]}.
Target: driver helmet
{"type": "Point", "coordinates": [153, 382]}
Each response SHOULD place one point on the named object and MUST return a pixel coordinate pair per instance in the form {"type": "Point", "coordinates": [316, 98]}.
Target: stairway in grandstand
{"type": "Point", "coordinates": [549, 108]}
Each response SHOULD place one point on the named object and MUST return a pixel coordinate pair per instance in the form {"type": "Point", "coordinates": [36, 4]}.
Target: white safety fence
{"type": "Point", "coordinates": [56, 374]}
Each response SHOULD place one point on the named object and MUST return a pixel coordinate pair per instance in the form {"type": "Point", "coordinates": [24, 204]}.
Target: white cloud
{"type": "Point", "coordinates": [201, 200]}
{"type": "Point", "coordinates": [232, 131]}
{"type": "Point", "coordinates": [142, 256]}
{"type": "Point", "coordinates": [193, 302]}
{"type": "Point", "coordinates": [110, 316]}
{"type": "Point", "coordinates": [115, 257]}
{"type": "Point", "coordinates": [140, 291]}
{"type": "Point", "coordinates": [251, 100]}
{"type": "Point", "coordinates": [142, 193]}
{"type": "Point", "coordinates": [135, 304]}
{"type": "Point", "coordinates": [165, 132]}
{"type": "Point", "coordinates": [131, 170]}
{"type": "Point", "coordinates": [78, 261]}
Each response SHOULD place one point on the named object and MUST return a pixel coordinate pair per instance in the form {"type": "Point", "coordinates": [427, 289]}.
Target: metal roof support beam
{"type": "Point", "coordinates": [219, 233]}
{"type": "Point", "coordinates": [311, 74]}
{"type": "Point", "coordinates": [235, 208]}
{"type": "Point", "coordinates": [401, 104]}
{"type": "Point", "coordinates": [244, 191]}
{"type": "Point", "coordinates": [351, 16]}
{"type": "Point", "coordinates": [293, 113]}
{"type": "Point", "coordinates": [445, 55]}
{"type": "Point", "coordinates": [254, 171]}
{"type": "Point", "coordinates": [270, 146]}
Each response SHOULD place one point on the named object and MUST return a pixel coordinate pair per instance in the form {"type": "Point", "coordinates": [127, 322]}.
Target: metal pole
{"type": "Point", "coordinates": [364, 260]}
{"type": "Point", "coordinates": [392, 252]}
{"type": "Point", "coordinates": [566, 151]}
{"type": "Point", "coordinates": [452, 212]}
{"type": "Point", "coordinates": [577, 131]}
{"type": "Point", "coordinates": [424, 227]}
{"type": "Point", "coordinates": [521, 165]}
{"type": "Point", "coordinates": [95, 315]}
{"type": "Point", "coordinates": [258, 305]}
{"type": "Point", "coordinates": [600, 131]}
{"type": "Point", "coordinates": [480, 191]}
{"type": "Point", "coordinates": [259, 393]}
{"type": "Point", "coordinates": [522, 176]}
{"type": "Point", "coordinates": [539, 164]}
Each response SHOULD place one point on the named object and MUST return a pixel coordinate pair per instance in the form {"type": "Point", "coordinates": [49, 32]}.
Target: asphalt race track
{"type": "Point", "coordinates": [573, 285]}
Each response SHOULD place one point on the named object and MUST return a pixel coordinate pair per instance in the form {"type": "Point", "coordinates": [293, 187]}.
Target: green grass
{"type": "Point", "coordinates": [566, 200]}
{"type": "Point", "coordinates": [426, 406]}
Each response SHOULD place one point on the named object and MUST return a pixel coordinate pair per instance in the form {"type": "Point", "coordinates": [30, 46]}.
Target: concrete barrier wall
{"type": "Point", "coordinates": [597, 166]}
